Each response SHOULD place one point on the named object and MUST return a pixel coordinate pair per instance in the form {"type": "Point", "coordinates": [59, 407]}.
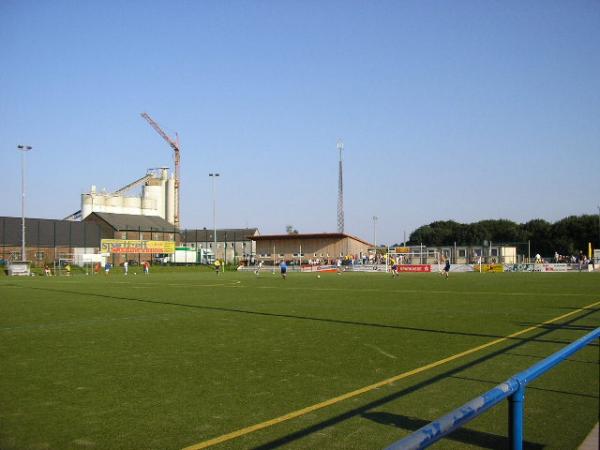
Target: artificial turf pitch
{"type": "Point", "coordinates": [176, 359]}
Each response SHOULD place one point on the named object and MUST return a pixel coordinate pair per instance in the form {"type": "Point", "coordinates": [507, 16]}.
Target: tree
{"type": "Point", "coordinates": [539, 233]}
{"type": "Point", "coordinates": [572, 234]}
{"type": "Point", "coordinates": [568, 236]}
{"type": "Point", "coordinates": [289, 229]}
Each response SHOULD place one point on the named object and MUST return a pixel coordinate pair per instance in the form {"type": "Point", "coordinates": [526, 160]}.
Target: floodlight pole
{"type": "Point", "coordinates": [214, 177]}
{"type": "Point", "coordinates": [23, 148]}
{"type": "Point", "coordinates": [340, 205]}
{"type": "Point", "coordinates": [375, 218]}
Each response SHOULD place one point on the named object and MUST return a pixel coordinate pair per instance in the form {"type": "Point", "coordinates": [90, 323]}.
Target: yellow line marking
{"type": "Point", "coordinates": [357, 392]}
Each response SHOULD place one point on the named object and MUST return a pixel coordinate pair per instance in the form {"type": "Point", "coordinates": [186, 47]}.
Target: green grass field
{"type": "Point", "coordinates": [176, 359]}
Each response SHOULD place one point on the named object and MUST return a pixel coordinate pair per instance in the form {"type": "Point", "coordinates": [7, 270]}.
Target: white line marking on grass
{"type": "Point", "coordinates": [417, 291]}
{"type": "Point", "coordinates": [229, 284]}
{"type": "Point", "coordinates": [372, 387]}
{"type": "Point", "coordinates": [374, 347]}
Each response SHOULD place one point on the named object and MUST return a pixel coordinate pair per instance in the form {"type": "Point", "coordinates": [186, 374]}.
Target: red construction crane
{"type": "Point", "coordinates": [175, 146]}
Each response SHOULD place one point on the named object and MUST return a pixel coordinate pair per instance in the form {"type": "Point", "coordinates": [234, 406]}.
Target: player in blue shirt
{"type": "Point", "coordinates": [283, 269]}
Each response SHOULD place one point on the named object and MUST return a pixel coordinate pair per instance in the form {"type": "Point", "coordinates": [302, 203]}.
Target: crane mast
{"type": "Point", "coordinates": [175, 146]}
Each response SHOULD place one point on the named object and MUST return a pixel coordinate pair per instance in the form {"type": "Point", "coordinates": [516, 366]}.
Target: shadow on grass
{"type": "Point", "coordinates": [529, 387]}
{"type": "Point", "coordinates": [553, 326]}
{"type": "Point", "coordinates": [464, 435]}
{"type": "Point", "coordinates": [364, 410]}
{"type": "Point", "coordinates": [279, 315]}
{"type": "Point", "coordinates": [573, 360]}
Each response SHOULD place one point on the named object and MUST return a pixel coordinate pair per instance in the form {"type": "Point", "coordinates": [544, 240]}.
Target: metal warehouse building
{"type": "Point", "coordinates": [233, 244]}
{"type": "Point", "coordinates": [46, 239]}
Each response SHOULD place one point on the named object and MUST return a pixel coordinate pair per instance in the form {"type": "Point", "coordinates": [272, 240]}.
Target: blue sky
{"type": "Point", "coordinates": [463, 110]}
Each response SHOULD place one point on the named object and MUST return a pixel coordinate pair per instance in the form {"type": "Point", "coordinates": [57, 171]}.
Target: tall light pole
{"type": "Point", "coordinates": [23, 148]}
{"type": "Point", "coordinates": [214, 177]}
{"type": "Point", "coordinates": [340, 204]}
{"type": "Point", "coordinates": [375, 219]}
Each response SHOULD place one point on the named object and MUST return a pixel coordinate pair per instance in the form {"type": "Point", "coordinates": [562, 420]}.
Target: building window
{"type": "Point", "coordinates": [39, 256]}
{"type": "Point", "coordinates": [494, 252]}
{"type": "Point", "coordinates": [462, 253]}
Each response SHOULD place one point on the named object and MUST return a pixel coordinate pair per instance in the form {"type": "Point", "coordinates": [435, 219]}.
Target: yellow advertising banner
{"type": "Point", "coordinates": [136, 246]}
{"type": "Point", "coordinates": [402, 250]}
{"type": "Point", "coordinates": [490, 267]}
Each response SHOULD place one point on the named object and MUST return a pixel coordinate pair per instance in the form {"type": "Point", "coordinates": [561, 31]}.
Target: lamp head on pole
{"type": "Point", "coordinates": [340, 147]}
{"type": "Point", "coordinates": [24, 148]}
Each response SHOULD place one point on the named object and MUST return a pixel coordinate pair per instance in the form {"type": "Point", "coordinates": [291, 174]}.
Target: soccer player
{"type": "Point", "coordinates": [283, 269]}
{"type": "Point", "coordinates": [394, 269]}
{"type": "Point", "coordinates": [258, 267]}
{"type": "Point", "coordinates": [146, 268]}
{"type": "Point", "coordinates": [125, 267]}
{"type": "Point", "coordinates": [447, 268]}
{"type": "Point", "coordinates": [217, 266]}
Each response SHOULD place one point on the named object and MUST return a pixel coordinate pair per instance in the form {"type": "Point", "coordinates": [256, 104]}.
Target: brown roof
{"type": "Point", "coordinates": [268, 237]}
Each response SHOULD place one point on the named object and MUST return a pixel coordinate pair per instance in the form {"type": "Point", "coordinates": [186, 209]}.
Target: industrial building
{"type": "Point", "coordinates": [233, 245]}
{"type": "Point", "coordinates": [298, 248]}
{"type": "Point", "coordinates": [131, 228]}
{"type": "Point", "coordinates": [118, 238]}
{"type": "Point", "coordinates": [47, 240]}
{"type": "Point", "coordinates": [157, 199]}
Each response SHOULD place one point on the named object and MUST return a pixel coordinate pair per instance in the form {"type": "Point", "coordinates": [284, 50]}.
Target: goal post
{"type": "Point", "coordinates": [414, 257]}
{"type": "Point", "coordinates": [63, 264]}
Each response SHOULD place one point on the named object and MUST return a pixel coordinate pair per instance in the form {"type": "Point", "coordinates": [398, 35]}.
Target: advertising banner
{"type": "Point", "coordinates": [414, 268]}
{"type": "Point", "coordinates": [136, 246]}
{"type": "Point", "coordinates": [520, 267]}
{"type": "Point", "coordinates": [490, 267]}
{"type": "Point", "coordinates": [555, 268]}
{"type": "Point", "coordinates": [537, 267]}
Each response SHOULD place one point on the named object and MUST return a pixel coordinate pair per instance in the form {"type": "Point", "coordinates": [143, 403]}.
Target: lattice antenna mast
{"type": "Point", "coordinates": [175, 146]}
{"type": "Point", "coordinates": [340, 203]}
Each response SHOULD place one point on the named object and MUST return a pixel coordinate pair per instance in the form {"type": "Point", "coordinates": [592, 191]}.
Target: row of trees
{"type": "Point", "coordinates": [568, 236]}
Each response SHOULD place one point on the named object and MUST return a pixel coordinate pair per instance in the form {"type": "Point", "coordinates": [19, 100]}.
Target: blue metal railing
{"type": "Point", "coordinates": [513, 389]}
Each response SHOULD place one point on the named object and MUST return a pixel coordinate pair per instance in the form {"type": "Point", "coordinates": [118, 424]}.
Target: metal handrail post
{"type": "Point", "coordinates": [515, 418]}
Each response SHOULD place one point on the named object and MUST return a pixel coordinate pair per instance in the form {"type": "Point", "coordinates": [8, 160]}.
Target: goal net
{"type": "Point", "coordinates": [429, 257]}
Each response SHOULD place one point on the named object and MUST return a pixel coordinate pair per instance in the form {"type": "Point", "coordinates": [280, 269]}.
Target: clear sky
{"type": "Point", "coordinates": [463, 110]}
